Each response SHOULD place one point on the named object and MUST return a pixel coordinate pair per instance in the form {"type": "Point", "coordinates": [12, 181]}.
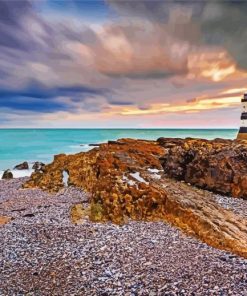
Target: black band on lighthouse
{"type": "Point", "coordinates": [243, 130]}
{"type": "Point", "coordinates": [244, 116]}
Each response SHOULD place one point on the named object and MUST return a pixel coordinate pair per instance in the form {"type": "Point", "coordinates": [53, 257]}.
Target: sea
{"type": "Point", "coordinates": [19, 145]}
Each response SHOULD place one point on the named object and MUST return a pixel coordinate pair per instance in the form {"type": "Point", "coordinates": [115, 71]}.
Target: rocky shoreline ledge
{"type": "Point", "coordinates": [51, 244]}
{"type": "Point", "coordinates": [133, 179]}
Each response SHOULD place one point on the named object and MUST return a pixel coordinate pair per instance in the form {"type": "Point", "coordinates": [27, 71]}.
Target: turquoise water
{"type": "Point", "coordinates": [18, 145]}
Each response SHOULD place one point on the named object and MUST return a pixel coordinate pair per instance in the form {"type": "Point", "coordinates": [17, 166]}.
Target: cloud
{"type": "Point", "coordinates": [223, 23]}
{"type": "Point", "coordinates": [216, 23]}
{"type": "Point", "coordinates": [200, 104]}
{"type": "Point", "coordinates": [158, 10]}
{"type": "Point", "coordinates": [123, 51]}
{"type": "Point", "coordinates": [42, 62]}
{"type": "Point", "coordinates": [39, 98]}
{"type": "Point", "coordinates": [153, 55]}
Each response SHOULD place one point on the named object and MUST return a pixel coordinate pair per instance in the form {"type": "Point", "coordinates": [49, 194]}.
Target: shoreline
{"type": "Point", "coordinates": [41, 144]}
{"type": "Point", "coordinates": [18, 173]}
{"type": "Point", "coordinates": [157, 234]}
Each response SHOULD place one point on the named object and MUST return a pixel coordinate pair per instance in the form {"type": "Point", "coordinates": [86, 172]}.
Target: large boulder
{"type": "Point", "coordinates": [22, 166]}
{"type": "Point", "coordinates": [218, 165]}
{"type": "Point", "coordinates": [7, 175]}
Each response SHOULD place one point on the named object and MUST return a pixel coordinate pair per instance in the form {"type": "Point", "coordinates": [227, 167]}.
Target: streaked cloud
{"type": "Point", "coordinates": [197, 105]}
{"type": "Point", "coordinates": [141, 60]}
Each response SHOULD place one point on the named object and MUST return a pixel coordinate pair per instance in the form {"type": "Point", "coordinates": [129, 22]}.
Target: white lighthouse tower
{"type": "Point", "coordinates": [242, 134]}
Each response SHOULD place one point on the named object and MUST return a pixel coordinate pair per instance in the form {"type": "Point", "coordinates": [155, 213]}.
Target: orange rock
{"type": "Point", "coordinates": [119, 177]}
{"type": "Point", "coordinates": [77, 214]}
{"type": "Point", "coordinates": [4, 220]}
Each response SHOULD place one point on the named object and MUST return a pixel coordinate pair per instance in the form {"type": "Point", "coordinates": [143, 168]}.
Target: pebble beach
{"type": "Point", "coordinates": [43, 253]}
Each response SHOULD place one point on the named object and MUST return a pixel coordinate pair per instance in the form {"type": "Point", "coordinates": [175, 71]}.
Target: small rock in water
{"type": "Point", "coordinates": [94, 144]}
{"type": "Point", "coordinates": [115, 142]}
{"type": "Point", "coordinates": [7, 175]}
{"type": "Point", "coordinates": [38, 166]}
{"type": "Point", "coordinates": [22, 166]}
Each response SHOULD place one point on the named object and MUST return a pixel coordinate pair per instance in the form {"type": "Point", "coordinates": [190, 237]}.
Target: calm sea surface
{"type": "Point", "coordinates": [18, 145]}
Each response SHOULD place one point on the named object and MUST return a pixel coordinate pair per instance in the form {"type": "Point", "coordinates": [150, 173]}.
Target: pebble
{"type": "Point", "coordinates": [45, 254]}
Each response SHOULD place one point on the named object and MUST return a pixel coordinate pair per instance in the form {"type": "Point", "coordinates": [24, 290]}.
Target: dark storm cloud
{"type": "Point", "coordinates": [224, 23]}
{"type": "Point", "coordinates": [37, 97]}
{"type": "Point", "coordinates": [11, 26]}
{"type": "Point", "coordinates": [121, 103]}
{"type": "Point", "coordinates": [38, 91]}
{"type": "Point", "coordinates": [220, 23]}
{"type": "Point", "coordinates": [11, 11]}
{"type": "Point", "coordinates": [157, 10]}
{"type": "Point", "coordinates": [31, 104]}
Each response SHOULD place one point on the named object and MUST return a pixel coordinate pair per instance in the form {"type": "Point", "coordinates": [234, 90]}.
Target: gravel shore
{"type": "Point", "coordinates": [43, 253]}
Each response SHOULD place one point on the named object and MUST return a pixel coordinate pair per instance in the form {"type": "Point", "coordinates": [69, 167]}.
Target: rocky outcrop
{"type": "Point", "coordinates": [38, 166]}
{"type": "Point", "coordinates": [22, 166]}
{"type": "Point", "coordinates": [217, 165]}
{"type": "Point", "coordinates": [7, 175]}
{"type": "Point", "coordinates": [126, 180]}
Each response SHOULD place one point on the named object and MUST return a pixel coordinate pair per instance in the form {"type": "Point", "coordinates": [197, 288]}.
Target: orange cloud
{"type": "Point", "coordinates": [140, 50]}
{"type": "Point", "coordinates": [200, 104]}
{"type": "Point", "coordinates": [215, 65]}
{"type": "Point", "coordinates": [234, 91]}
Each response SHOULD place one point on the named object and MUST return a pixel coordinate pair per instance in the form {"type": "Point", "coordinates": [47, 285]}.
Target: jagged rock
{"type": "Point", "coordinates": [38, 166]}
{"type": "Point", "coordinates": [127, 182]}
{"type": "Point", "coordinates": [22, 166]}
{"type": "Point", "coordinates": [218, 165]}
{"type": "Point", "coordinates": [7, 175]}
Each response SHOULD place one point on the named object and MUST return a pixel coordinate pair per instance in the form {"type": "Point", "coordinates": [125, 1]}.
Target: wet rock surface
{"type": "Point", "coordinates": [128, 179]}
{"type": "Point", "coordinates": [7, 175]}
{"type": "Point", "coordinates": [38, 166]}
{"type": "Point", "coordinates": [22, 166]}
{"type": "Point", "coordinates": [44, 253]}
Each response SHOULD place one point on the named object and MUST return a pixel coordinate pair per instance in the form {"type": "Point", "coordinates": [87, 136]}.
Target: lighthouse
{"type": "Point", "coordinates": [242, 134]}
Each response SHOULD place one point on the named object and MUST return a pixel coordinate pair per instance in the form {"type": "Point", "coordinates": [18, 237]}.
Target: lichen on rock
{"type": "Point", "coordinates": [78, 213]}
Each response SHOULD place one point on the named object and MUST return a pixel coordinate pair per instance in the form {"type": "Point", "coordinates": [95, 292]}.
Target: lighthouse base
{"type": "Point", "coordinates": [242, 134]}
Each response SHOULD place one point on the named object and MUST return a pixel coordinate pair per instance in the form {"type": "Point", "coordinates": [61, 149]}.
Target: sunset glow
{"type": "Point", "coordinates": [199, 105]}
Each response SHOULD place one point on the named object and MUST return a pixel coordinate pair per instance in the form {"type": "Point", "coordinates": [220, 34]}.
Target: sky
{"type": "Point", "coordinates": [117, 63]}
